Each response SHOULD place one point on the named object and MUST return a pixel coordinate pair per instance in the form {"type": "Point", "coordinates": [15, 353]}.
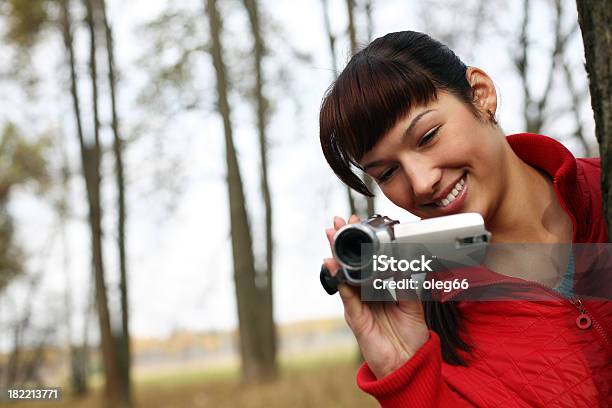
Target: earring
{"type": "Point", "coordinates": [492, 116]}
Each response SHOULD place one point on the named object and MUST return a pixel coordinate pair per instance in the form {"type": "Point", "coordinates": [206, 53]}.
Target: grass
{"type": "Point", "coordinates": [313, 380]}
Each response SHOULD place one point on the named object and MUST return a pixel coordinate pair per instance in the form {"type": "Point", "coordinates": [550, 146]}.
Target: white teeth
{"type": "Point", "coordinates": [452, 195]}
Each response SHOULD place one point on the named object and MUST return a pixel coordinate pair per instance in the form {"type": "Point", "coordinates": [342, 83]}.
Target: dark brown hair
{"type": "Point", "coordinates": [378, 86]}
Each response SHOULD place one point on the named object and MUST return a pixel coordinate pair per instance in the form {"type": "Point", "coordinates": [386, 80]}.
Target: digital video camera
{"type": "Point", "coordinates": [453, 241]}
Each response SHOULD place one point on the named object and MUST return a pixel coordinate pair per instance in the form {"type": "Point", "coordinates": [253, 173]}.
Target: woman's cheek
{"type": "Point", "coordinates": [400, 196]}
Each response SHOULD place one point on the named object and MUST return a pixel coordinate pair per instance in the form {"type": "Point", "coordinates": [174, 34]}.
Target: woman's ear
{"type": "Point", "coordinates": [483, 90]}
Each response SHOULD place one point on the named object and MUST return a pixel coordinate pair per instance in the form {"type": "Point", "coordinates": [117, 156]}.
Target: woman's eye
{"type": "Point", "coordinates": [427, 137]}
{"type": "Point", "coordinates": [386, 175]}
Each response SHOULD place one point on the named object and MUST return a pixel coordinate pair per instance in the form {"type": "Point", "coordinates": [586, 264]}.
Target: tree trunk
{"type": "Point", "coordinates": [370, 208]}
{"type": "Point", "coordinates": [81, 354]}
{"type": "Point", "coordinates": [350, 8]}
{"type": "Point", "coordinates": [124, 340]}
{"type": "Point", "coordinates": [332, 51]}
{"type": "Point", "coordinates": [78, 357]}
{"type": "Point", "coordinates": [253, 354]}
{"type": "Point", "coordinates": [535, 108]}
{"type": "Point", "coordinates": [367, 9]}
{"type": "Point", "coordinates": [90, 156]}
{"type": "Point", "coordinates": [267, 306]}
{"type": "Point", "coordinates": [91, 168]}
{"type": "Point", "coordinates": [74, 355]}
{"type": "Point", "coordinates": [595, 17]}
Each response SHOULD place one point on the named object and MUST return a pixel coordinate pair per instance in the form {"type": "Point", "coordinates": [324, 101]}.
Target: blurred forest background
{"type": "Point", "coordinates": [163, 196]}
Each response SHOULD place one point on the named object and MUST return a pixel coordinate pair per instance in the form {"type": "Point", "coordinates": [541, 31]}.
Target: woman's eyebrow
{"type": "Point", "coordinates": [407, 133]}
{"type": "Point", "coordinates": [414, 122]}
{"type": "Point", "coordinates": [375, 163]}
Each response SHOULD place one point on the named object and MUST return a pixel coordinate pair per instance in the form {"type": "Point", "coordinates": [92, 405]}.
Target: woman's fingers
{"type": "Point", "coordinates": [339, 222]}
{"type": "Point", "coordinates": [329, 233]}
{"type": "Point", "coordinates": [353, 307]}
{"type": "Point", "coordinates": [351, 301]}
{"type": "Point", "coordinates": [348, 294]}
{"type": "Point", "coordinates": [332, 265]}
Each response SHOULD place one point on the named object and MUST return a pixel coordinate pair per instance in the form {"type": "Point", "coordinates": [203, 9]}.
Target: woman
{"type": "Point", "coordinates": [408, 112]}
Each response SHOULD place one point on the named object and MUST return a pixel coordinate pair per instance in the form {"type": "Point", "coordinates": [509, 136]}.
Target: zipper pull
{"type": "Point", "coordinates": [583, 321]}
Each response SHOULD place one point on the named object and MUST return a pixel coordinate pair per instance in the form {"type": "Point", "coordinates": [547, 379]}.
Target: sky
{"type": "Point", "coordinates": [179, 249]}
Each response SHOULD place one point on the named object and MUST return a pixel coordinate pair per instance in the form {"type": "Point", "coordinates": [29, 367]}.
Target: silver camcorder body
{"type": "Point", "coordinates": [453, 241]}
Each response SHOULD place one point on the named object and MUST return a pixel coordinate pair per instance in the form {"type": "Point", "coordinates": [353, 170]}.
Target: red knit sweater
{"type": "Point", "coordinates": [525, 353]}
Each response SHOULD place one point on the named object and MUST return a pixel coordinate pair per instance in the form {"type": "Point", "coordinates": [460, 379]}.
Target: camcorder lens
{"type": "Point", "coordinates": [348, 247]}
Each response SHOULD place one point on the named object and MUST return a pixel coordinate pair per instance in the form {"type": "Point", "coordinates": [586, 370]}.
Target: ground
{"type": "Point", "coordinates": [324, 381]}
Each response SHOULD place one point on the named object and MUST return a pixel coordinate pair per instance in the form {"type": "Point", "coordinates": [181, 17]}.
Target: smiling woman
{"type": "Point", "coordinates": [408, 112]}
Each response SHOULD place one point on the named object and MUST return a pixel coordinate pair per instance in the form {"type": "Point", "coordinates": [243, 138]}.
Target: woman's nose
{"type": "Point", "coordinates": [423, 178]}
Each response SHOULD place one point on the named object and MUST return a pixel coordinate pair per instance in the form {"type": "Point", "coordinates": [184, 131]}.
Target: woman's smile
{"type": "Point", "coordinates": [452, 198]}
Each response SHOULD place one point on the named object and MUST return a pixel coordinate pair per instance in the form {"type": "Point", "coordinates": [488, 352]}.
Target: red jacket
{"type": "Point", "coordinates": [525, 353]}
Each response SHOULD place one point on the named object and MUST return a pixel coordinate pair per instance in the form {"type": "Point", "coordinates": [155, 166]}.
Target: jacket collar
{"type": "Point", "coordinates": [556, 160]}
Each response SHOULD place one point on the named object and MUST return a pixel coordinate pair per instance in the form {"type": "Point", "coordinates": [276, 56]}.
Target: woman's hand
{"type": "Point", "coordinates": [388, 333]}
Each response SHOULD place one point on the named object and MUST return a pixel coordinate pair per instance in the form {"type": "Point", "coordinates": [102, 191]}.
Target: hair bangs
{"type": "Point", "coordinates": [366, 101]}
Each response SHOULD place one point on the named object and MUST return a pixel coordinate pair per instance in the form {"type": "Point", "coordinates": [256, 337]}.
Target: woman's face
{"type": "Point", "coordinates": [439, 160]}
